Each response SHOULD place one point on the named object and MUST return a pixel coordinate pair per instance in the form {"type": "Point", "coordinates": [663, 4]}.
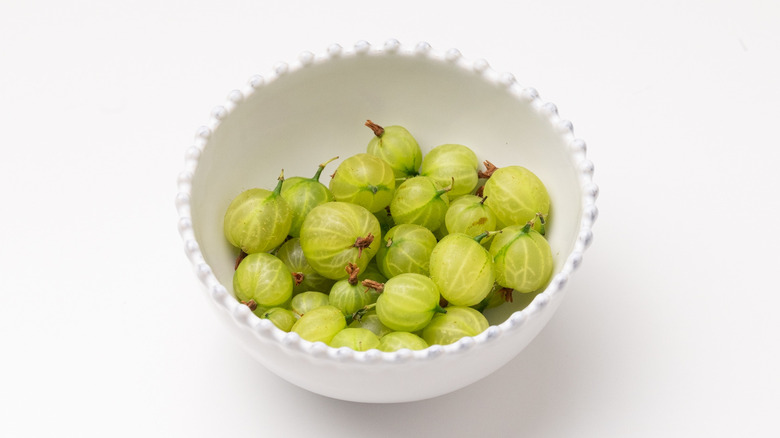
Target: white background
{"type": "Point", "coordinates": [669, 328]}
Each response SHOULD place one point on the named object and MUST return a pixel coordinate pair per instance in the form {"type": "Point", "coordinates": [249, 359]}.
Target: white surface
{"type": "Point", "coordinates": [678, 103]}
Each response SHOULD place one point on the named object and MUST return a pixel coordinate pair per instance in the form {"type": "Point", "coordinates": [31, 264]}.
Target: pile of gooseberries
{"type": "Point", "coordinates": [399, 250]}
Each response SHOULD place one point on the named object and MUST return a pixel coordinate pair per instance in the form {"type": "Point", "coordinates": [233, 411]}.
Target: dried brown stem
{"type": "Point", "coordinates": [489, 169]}
{"type": "Point", "coordinates": [363, 242]}
{"type": "Point", "coordinates": [506, 294]}
{"type": "Point", "coordinates": [353, 270]}
{"type": "Point", "coordinates": [251, 304]}
{"type": "Point", "coordinates": [240, 257]}
{"type": "Point", "coordinates": [377, 286]}
{"type": "Point", "coordinates": [378, 130]}
{"type": "Point", "coordinates": [297, 278]}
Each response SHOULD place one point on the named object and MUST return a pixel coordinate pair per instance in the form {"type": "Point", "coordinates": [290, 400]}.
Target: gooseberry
{"type": "Point", "coordinates": [258, 220]}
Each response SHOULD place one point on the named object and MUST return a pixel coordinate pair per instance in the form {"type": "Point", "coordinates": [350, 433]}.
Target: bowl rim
{"type": "Point", "coordinates": [264, 328]}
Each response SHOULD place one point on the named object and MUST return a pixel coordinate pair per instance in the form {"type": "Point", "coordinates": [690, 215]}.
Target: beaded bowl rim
{"type": "Point", "coordinates": [265, 329]}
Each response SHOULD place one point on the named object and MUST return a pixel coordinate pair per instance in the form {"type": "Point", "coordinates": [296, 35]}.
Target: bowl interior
{"type": "Point", "coordinates": [316, 112]}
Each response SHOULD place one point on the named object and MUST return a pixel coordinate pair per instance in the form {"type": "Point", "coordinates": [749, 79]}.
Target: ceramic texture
{"type": "Point", "coordinates": [301, 114]}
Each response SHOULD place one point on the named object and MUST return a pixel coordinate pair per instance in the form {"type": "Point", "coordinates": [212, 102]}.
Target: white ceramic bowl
{"type": "Point", "coordinates": [307, 111]}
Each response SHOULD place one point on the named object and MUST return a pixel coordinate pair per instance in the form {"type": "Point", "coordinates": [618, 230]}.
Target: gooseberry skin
{"type": "Point", "coordinates": [372, 272]}
{"type": "Point", "coordinates": [397, 340]}
{"type": "Point", "coordinates": [469, 215]}
{"type": "Point", "coordinates": [358, 339]}
{"type": "Point", "coordinates": [329, 235]}
{"type": "Point", "coordinates": [493, 299]}
{"type": "Point", "coordinates": [307, 301]}
{"type": "Point", "coordinates": [441, 232]}
{"type": "Point", "coordinates": [458, 322]}
{"type": "Point", "coordinates": [398, 147]}
{"type": "Point", "coordinates": [350, 298]}
{"type": "Point", "coordinates": [405, 248]}
{"type": "Point", "coordinates": [516, 195]}
{"type": "Point", "coordinates": [462, 269]}
{"type": "Point", "coordinates": [448, 161]}
{"type": "Point", "coordinates": [385, 219]}
{"type": "Point", "coordinates": [523, 259]}
{"type": "Point", "coordinates": [257, 220]}
{"type": "Point", "coordinates": [291, 254]}
{"type": "Point", "coordinates": [303, 194]}
{"type": "Point", "coordinates": [371, 321]}
{"type": "Point", "coordinates": [408, 302]}
{"type": "Point", "coordinates": [365, 180]}
{"type": "Point", "coordinates": [320, 324]}
{"type": "Point", "coordinates": [282, 318]}
{"type": "Point", "coordinates": [420, 200]}
{"type": "Point", "coordinates": [263, 278]}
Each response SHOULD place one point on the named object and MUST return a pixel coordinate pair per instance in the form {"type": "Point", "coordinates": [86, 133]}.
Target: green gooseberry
{"type": "Point", "coordinates": [457, 323]}
{"type": "Point", "coordinates": [282, 318]}
{"type": "Point", "coordinates": [305, 277]}
{"type": "Point", "coordinates": [307, 301]}
{"type": "Point", "coordinates": [335, 234]}
{"type": "Point", "coordinates": [365, 180]}
{"type": "Point", "coordinates": [462, 269]}
{"type": "Point", "coordinates": [516, 195]}
{"type": "Point", "coordinates": [523, 258]}
{"type": "Point", "coordinates": [407, 302]}
{"type": "Point", "coordinates": [320, 324]}
{"type": "Point", "coordinates": [420, 200]}
{"type": "Point", "coordinates": [358, 339]}
{"type": "Point", "coordinates": [449, 162]}
{"type": "Point", "coordinates": [303, 194]}
{"type": "Point", "coordinates": [398, 147]}
{"type": "Point", "coordinates": [405, 248]}
{"type": "Point", "coordinates": [397, 340]}
{"type": "Point", "coordinates": [469, 215]}
{"type": "Point", "coordinates": [258, 220]}
{"type": "Point", "coordinates": [264, 279]}
{"type": "Point", "coordinates": [349, 295]}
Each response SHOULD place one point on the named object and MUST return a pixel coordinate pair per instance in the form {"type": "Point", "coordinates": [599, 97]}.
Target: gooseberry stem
{"type": "Point", "coordinates": [479, 237]}
{"type": "Point", "coordinates": [278, 189]}
{"type": "Point", "coordinates": [363, 242]}
{"type": "Point", "coordinates": [353, 270]}
{"type": "Point", "coordinates": [489, 169]}
{"type": "Point", "coordinates": [358, 315]}
{"type": "Point", "coordinates": [483, 200]}
{"type": "Point", "coordinates": [252, 304]}
{"type": "Point", "coordinates": [506, 294]}
{"type": "Point", "coordinates": [439, 309]}
{"type": "Point", "coordinates": [446, 189]}
{"type": "Point", "coordinates": [297, 278]}
{"type": "Point", "coordinates": [378, 130]}
{"type": "Point", "coordinates": [542, 228]}
{"type": "Point", "coordinates": [371, 284]}
{"type": "Point", "coordinates": [317, 174]}
{"type": "Point", "coordinates": [241, 256]}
